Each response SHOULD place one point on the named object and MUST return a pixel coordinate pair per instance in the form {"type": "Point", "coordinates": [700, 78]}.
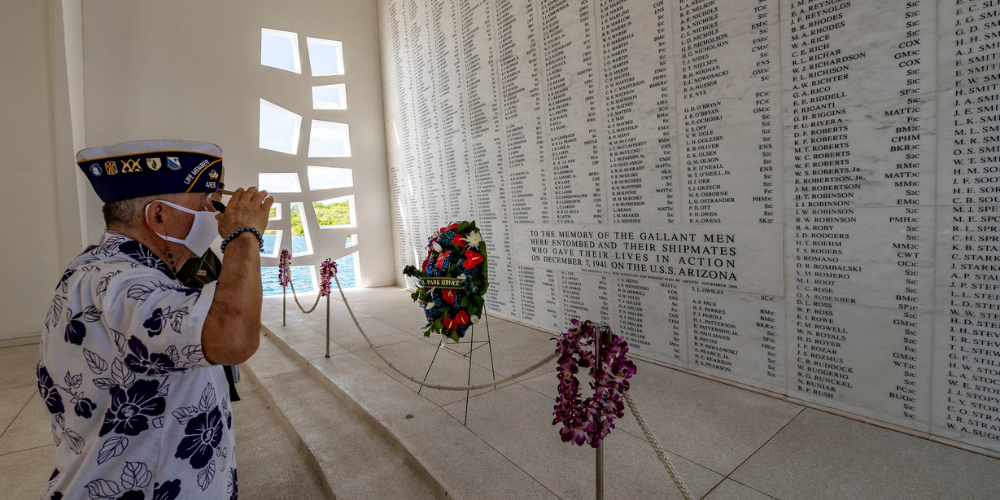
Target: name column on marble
{"type": "Point", "coordinates": [966, 384]}
{"type": "Point", "coordinates": [859, 91]}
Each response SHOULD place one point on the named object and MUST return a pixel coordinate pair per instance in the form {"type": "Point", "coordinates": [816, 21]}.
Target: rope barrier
{"type": "Point", "coordinates": [296, 297]}
{"type": "Point", "coordinates": [660, 453]}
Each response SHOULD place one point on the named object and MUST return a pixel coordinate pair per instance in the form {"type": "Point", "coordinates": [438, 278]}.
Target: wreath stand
{"type": "Point", "coordinates": [472, 347]}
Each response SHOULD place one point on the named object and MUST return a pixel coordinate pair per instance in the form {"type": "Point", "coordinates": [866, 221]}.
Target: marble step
{"type": "Point", "coordinates": [353, 455]}
{"type": "Point", "coordinates": [460, 463]}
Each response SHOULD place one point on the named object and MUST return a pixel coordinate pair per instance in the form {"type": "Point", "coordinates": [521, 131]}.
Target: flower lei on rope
{"type": "Point", "coordinates": [452, 280]}
{"type": "Point", "coordinates": [590, 420]}
{"type": "Point", "coordinates": [285, 268]}
{"type": "Point", "coordinates": [326, 272]}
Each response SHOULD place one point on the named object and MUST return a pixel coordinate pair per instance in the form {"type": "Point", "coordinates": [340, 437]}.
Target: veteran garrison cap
{"type": "Point", "coordinates": [147, 168]}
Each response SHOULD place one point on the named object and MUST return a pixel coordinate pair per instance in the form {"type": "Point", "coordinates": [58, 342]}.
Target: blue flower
{"type": "Point", "coordinates": [130, 411]}
{"type": "Point", "coordinates": [169, 490]}
{"type": "Point", "coordinates": [47, 389]}
{"type": "Point", "coordinates": [204, 433]}
{"type": "Point", "coordinates": [143, 255]}
{"type": "Point", "coordinates": [155, 323]}
{"type": "Point", "coordinates": [142, 362]}
{"type": "Point", "coordinates": [84, 407]}
{"type": "Point", "coordinates": [75, 331]}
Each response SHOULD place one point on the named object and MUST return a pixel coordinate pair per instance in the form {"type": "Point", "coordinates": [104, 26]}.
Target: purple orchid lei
{"type": "Point", "coordinates": [326, 272]}
{"type": "Point", "coordinates": [590, 420]}
{"type": "Point", "coordinates": [285, 268]}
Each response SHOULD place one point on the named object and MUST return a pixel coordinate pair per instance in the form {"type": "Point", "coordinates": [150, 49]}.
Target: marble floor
{"type": "Point", "coordinates": [727, 443]}
{"type": "Point", "coordinates": [270, 465]}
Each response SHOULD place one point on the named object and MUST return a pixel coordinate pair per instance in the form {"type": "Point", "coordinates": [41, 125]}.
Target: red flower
{"type": "Point", "coordinates": [423, 267]}
{"type": "Point", "coordinates": [450, 323]}
{"type": "Point", "coordinates": [459, 240]}
{"type": "Point", "coordinates": [441, 258]}
{"type": "Point", "coordinates": [472, 259]}
{"type": "Point", "coordinates": [453, 226]}
{"type": "Point", "coordinates": [462, 317]}
{"type": "Point", "coordinates": [448, 296]}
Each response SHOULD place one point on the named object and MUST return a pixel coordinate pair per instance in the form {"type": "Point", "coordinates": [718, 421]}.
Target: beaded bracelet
{"type": "Point", "coordinates": [231, 237]}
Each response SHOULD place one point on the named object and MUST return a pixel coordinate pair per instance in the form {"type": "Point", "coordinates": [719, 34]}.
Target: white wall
{"type": "Point", "coordinates": [32, 193]}
{"type": "Point", "coordinates": [191, 70]}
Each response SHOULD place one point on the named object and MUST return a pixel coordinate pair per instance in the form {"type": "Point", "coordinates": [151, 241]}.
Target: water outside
{"type": "Point", "coordinates": [302, 276]}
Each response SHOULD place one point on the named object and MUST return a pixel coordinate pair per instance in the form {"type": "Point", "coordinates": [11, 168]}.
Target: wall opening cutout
{"type": "Point", "coordinates": [275, 213]}
{"type": "Point", "coordinates": [335, 212]}
{"type": "Point", "coordinates": [330, 97]}
{"type": "Point", "coordinates": [326, 57]}
{"type": "Point", "coordinates": [279, 128]}
{"type": "Point", "coordinates": [329, 140]}
{"type": "Point", "coordinates": [280, 49]}
{"type": "Point", "coordinates": [301, 243]}
{"type": "Point", "coordinates": [279, 183]}
{"type": "Point", "coordinates": [352, 241]}
{"type": "Point", "coordinates": [329, 178]}
{"type": "Point", "coordinates": [272, 243]}
{"type": "Point", "coordinates": [304, 278]}
{"type": "Point", "coordinates": [349, 271]}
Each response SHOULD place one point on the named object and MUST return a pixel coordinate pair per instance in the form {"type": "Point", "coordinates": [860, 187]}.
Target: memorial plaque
{"type": "Point", "coordinates": [801, 196]}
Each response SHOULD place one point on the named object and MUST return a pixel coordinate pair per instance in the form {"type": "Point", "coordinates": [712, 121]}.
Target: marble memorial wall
{"type": "Point", "coordinates": [799, 196]}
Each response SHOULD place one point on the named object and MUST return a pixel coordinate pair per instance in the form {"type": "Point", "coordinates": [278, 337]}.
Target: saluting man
{"type": "Point", "coordinates": [130, 364]}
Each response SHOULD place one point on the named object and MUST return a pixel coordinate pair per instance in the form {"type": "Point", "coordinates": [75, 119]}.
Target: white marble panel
{"type": "Point", "coordinates": [650, 315]}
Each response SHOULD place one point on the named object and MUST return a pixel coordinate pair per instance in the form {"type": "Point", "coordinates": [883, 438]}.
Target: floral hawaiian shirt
{"type": "Point", "coordinates": [137, 411]}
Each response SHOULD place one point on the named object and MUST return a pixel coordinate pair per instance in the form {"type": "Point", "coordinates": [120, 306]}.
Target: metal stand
{"type": "Point", "coordinates": [599, 469]}
{"type": "Point", "coordinates": [471, 342]}
{"type": "Point", "coordinates": [284, 303]}
{"type": "Point", "coordinates": [328, 326]}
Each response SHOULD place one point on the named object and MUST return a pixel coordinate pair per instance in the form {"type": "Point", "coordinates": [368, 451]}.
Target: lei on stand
{"type": "Point", "coordinates": [284, 279]}
{"type": "Point", "coordinates": [452, 280]}
{"type": "Point", "coordinates": [591, 420]}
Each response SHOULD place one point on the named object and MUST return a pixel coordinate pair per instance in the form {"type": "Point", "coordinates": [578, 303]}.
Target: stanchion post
{"type": "Point", "coordinates": [328, 324]}
{"type": "Point", "coordinates": [598, 333]}
{"type": "Point", "coordinates": [284, 303]}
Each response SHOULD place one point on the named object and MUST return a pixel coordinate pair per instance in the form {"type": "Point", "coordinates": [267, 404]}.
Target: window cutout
{"type": "Point", "coordinates": [279, 183]}
{"type": "Point", "coordinates": [280, 49]}
{"type": "Point", "coordinates": [301, 243]}
{"type": "Point", "coordinates": [329, 140]}
{"type": "Point", "coordinates": [275, 213]}
{"type": "Point", "coordinates": [336, 212]}
{"type": "Point", "coordinates": [279, 128]}
{"type": "Point", "coordinates": [304, 278]}
{"type": "Point", "coordinates": [352, 241]}
{"type": "Point", "coordinates": [326, 57]}
{"type": "Point", "coordinates": [272, 243]}
{"type": "Point", "coordinates": [349, 271]}
{"type": "Point", "coordinates": [330, 97]}
{"type": "Point", "coordinates": [329, 178]}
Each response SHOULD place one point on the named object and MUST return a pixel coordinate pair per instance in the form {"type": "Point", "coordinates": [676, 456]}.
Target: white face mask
{"type": "Point", "coordinates": [204, 229]}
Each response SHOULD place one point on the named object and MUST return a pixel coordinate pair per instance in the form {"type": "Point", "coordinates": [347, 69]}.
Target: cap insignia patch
{"type": "Point", "coordinates": [95, 170]}
{"type": "Point", "coordinates": [213, 175]}
{"type": "Point", "coordinates": [129, 166]}
{"type": "Point", "coordinates": [173, 163]}
{"type": "Point", "coordinates": [111, 167]}
{"type": "Point", "coordinates": [153, 164]}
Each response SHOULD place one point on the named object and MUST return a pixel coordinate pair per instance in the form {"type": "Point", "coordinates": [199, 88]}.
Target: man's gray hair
{"type": "Point", "coordinates": [128, 213]}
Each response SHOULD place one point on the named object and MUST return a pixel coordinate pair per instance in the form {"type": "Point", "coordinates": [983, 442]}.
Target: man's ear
{"type": "Point", "coordinates": [154, 215]}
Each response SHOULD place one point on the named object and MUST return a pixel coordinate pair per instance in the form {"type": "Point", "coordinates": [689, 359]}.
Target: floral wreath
{"type": "Point", "coordinates": [327, 270]}
{"type": "Point", "coordinates": [452, 280]}
{"type": "Point", "coordinates": [590, 420]}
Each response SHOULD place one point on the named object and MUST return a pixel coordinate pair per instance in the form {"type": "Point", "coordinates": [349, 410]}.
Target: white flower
{"type": "Point", "coordinates": [474, 239]}
{"type": "Point", "coordinates": [461, 276]}
{"type": "Point", "coordinates": [429, 305]}
{"type": "Point", "coordinates": [475, 319]}
{"type": "Point", "coordinates": [437, 247]}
